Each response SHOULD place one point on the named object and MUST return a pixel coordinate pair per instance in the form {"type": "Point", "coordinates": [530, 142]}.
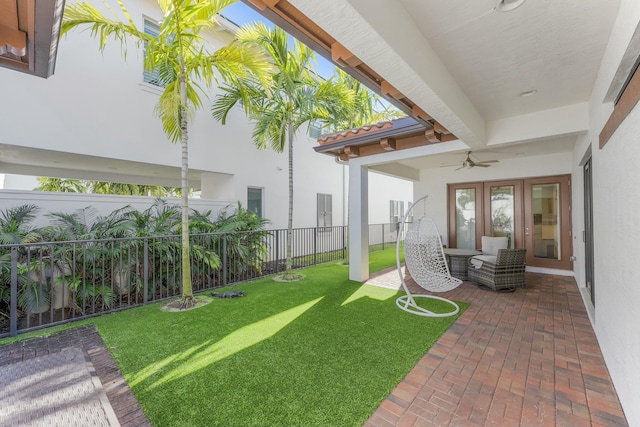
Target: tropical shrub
{"type": "Point", "coordinates": [101, 265]}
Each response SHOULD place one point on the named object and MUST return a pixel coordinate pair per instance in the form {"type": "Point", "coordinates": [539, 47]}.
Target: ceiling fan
{"type": "Point", "coordinates": [468, 163]}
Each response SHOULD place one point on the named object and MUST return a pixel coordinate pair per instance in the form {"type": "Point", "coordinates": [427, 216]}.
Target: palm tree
{"type": "Point", "coordinates": [61, 185]}
{"type": "Point", "coordinates": [296, 97]}
{"type": "Point", "coordinates": [181, 58]}
{"type": "Point", "coordinates": [368, 108]}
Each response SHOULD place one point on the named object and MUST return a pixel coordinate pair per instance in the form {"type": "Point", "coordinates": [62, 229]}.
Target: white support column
{"type": "Point", "coordinates": [358, 223]}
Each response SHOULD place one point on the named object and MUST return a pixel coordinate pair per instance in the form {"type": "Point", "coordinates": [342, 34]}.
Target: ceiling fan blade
{"type": "Point", "coordinates": [449, 165]}
{"type": "Point", "coordinates": [490, 161]}
{"type": "Point", "coordinates": [459, 168]}
{"type": "Point", "coordinates": [482, 165]}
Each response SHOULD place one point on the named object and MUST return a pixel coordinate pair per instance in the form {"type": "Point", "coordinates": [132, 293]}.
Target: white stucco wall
{"type": "Point", "coordinates": [616, 239]}
{"type": "Point", "coordinates": [104, 204]}
{"type": "Point", "coordinates": [383, 189]}
{"type": "Point", "coordinates": [616, 226]}
{"type": "Point", "coordinates": [97, 105]}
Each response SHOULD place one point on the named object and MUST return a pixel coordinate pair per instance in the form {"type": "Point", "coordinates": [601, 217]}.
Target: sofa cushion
{"type": "Point", "coordinates": [477, 260]}
{"type": "Point", "coordinates": [491, 245]}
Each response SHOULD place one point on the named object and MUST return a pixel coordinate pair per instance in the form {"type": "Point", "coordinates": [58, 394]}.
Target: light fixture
{"type": "Point", "coordinates": [528, 93]}
{"type": "Point", "coordinates": [508, 5]}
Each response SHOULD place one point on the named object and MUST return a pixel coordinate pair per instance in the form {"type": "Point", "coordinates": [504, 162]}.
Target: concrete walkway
{"type": "Point", "coordinates": [526, 358]}
{"type": "Point", "coordinates": [67, 379]}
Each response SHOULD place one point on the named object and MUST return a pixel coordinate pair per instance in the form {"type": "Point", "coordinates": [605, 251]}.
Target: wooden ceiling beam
{"type": "Point", "coordinates": [387, 89]}
{"type": "Point", "coordinates": [388, 144]}
{"type": "Point", "coordinates": [343, 56]}
{"type": "Point", "coordinates": [352, 151]}
{"type": "Point", "coordinates": [440, 129]}
{"type": "Point", "coordinates": [421, 114]}
{"type": "Point", "coordinates": [263, 4]}
{"type": "Point", "coordinates": [432, 136]}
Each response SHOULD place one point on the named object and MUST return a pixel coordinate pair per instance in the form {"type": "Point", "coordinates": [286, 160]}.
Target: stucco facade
{"type": "Point", "coordinates": [94, 120]}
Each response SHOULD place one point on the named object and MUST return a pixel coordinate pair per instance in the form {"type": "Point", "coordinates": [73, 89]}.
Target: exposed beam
{"type": "Point", "coordinates": [341, 55]}
{"type": "Point", "coordinates": [263, 4]}
{"type": "Point", "coordinates": [388, 144]}
{"type": "Point", "coordinates": [420, 113]}
{"type": "Point", "coordinates": [352, 151]}
{"type": "Point", "coordinates": [439, 128]}
{"type": "Point", "coordinates": [432, 136]}
{"type": "Point", "coordinates": [12, 41]}
{"type": "Point", "coordinates": [388, 90]}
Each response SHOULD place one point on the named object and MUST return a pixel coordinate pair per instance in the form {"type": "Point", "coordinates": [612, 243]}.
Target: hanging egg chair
{"type": "Point", "coordinates": [425, 262]}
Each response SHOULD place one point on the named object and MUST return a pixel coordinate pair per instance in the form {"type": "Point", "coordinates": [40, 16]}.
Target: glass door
{"type": "Point", "coordinates": [547, 224]}
{"type": "Point", "coordinates": [465, 208]}
{"type": "Point", "coordinates": [503, 211]}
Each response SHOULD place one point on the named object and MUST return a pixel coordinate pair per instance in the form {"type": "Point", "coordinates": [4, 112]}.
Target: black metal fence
{"type": "Point", "coordinates": [44, 284]}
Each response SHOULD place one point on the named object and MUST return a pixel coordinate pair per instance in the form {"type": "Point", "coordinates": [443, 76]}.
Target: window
{"type": "Point", "coordinates": [254, 200]}
{"type": "Point", "coordinates": [325, 212]}
{"type": "Point", "coordinates": [410, 217]}
{"type": "Point", "coordinates": [152, 77]}
{"type": "Point", "coordinates": [396, 212]}
{"type": "Point", "coordinates": [317, 129]}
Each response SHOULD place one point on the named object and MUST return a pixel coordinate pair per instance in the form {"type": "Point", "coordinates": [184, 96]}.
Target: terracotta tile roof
{"type": "Point", "coordinates": [350, 133]}
{"type": "Point", "coordinates": [397, 134]}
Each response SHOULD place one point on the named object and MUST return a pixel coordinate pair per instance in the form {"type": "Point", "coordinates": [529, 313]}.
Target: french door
{"type": "Point", "coordinates": [533, 213]}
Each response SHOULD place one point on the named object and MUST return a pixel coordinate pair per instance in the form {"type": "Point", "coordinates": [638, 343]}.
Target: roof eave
{"type": "Point", "coordinates": [40, 21]}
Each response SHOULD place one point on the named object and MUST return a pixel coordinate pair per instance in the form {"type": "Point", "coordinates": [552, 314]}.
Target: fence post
{"type": "Point", "coordinates": [145, 274]}
{"type": "Point", "coordinates": [277, 250]}
{"type": "Point", "coordinates": [344, 248]}
{"type": "Point", "coordinates": [315, 246]}
{"type": "Point", "coordinates": [13, 310]}
{"type": "Point", "coordinates": [224, 260]}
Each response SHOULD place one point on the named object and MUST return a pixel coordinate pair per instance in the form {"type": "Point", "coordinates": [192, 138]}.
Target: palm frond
{"type": "Point", "coordinates": [83, 13]}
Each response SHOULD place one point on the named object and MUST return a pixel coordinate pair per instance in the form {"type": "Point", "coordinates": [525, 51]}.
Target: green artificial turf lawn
{"type": "Point", "coordinates": [383, 259]}
{"type": "Point", "coordinates": [323, 351]}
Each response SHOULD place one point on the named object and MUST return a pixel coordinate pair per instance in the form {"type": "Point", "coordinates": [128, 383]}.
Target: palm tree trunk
{"type": "Point", "coordinates": [288, 263]}
{"type": "Point", "coordinates": [187, 291]}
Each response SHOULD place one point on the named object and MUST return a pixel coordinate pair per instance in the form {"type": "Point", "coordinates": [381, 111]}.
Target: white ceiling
{"type": "Point", "coordinates": [466, 64]}
{"type": "Point", "coordinates": [504, 152]}
{"type": "Point", "coordinates": [552, 46]}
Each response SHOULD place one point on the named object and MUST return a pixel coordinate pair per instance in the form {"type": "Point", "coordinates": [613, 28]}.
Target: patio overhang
{"type": "Point", "coordinates": [286, 16]}
{"type": "Point", "coordinates": [29, 34]}
{"type": "Point", "coordinates": [382, 137]}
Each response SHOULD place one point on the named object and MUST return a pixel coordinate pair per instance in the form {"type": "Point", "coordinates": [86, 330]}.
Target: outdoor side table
{"type": "Point", "coordinates": [457, 259]}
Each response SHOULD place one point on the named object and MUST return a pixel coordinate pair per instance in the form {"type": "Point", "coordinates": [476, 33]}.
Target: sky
{"type": "Point", "coordinates": [240, 14]}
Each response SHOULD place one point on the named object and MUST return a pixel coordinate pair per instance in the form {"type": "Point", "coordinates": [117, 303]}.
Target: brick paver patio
{"type": "Point", "coordinates": [527, 358]}
{"type": "Point", "coordinates": [88, 340]}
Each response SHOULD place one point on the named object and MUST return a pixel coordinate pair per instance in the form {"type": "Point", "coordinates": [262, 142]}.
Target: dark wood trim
{"type": "Point", "coordinates": [625, 105]}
